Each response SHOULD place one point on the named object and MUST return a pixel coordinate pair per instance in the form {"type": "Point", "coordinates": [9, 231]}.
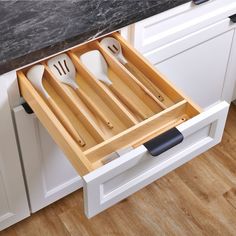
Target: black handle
{"type": "Point", "coordinates": [164, 142]}
{"type": "Point", "coordinates": [27, 108]}
{"type": "Point", "coordinates": [198, 2]}
{"type": "Point", "coordinates": [233, 18]}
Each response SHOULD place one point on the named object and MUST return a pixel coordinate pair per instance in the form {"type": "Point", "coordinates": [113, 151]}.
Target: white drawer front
{"type": "Point", "coordinates": [120, 178]}
{"type": "Point", "coordinates": [178, 22]}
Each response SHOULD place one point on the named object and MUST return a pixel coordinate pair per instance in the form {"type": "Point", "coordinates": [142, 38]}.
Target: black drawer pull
{"type": "Point", "coordinates": [27, 108]}
{"type": "Point", "coordinates": [198, 2]}
{"type": "Point", "coordinates": [164, 142]}
{"type": "Point", "coordinates": [233, 18]}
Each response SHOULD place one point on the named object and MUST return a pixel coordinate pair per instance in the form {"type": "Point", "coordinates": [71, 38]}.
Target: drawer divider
{"type": "Point", "coordinates": [130, 136]}
{"type": "Point", "coordinates": [88, 108]}
{"type": "Point", "coordinates": [165, 128]}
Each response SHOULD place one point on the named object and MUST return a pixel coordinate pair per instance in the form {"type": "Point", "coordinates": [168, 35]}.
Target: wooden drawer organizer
{"type": "Point", "coordinates": [129, 129]}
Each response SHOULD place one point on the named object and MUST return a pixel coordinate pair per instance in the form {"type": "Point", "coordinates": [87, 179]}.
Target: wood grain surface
{"type": "Point", "coordinates": [198, 198]}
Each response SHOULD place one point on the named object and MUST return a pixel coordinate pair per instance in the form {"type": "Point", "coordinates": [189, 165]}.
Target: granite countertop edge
{"type": "Point", "coordinates": [9, 63]}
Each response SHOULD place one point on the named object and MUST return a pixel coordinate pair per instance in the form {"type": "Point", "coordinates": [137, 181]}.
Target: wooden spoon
{"type": "Point", "coordinates": [95, 63]}
{"type": "Point", "coordinates": [35, 76]}
{"type": "Point", "coordinates": [113, 46]}
{"type": "Point", "coordinates": [64, 70]}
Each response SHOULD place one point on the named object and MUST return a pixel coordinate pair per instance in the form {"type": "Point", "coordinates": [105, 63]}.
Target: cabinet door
{"type": "Point", "coordinates": [232, 71]}
{"type": "Point", "coordinates": [13, 200]}
{"type": "Point", "coordinates": [234, 96]}
{"type": "Point", "coordinates": [197, 64]}
{"type": "Point", "coordinates": [49, 174]}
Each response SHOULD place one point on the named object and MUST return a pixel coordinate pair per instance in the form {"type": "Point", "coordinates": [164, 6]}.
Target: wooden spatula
{"type": "Point", "coordinates": [95, 63]}
{"type": "Point", "coordinates": [113, 46]}
{"type": "Point", "coordinates": [35, 76]}
{"type": "Point", "coordinates": [64, 70]}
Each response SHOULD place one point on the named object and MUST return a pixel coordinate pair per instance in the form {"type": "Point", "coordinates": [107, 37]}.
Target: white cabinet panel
{"type": "Point", "coordinates": [230, 81]}
{"type": "Point", "coordinates": [200, 71]}
{"type": "Point", "coordinates": [234, 96]}
{"type": "Point", "coordinates": [194, 46]}
{"type": "Point", "coordinates": [13, 200]}
{"type": "Point", "coordinates": [49, 174]}
{"type": "Point", "coordinates": [3, 198]}
{"type": "Point", "coordinates": [201, 64]}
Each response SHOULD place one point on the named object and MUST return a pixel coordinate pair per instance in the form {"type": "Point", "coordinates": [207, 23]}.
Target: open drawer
{"type": "Point", "coordinates": [147, 127]}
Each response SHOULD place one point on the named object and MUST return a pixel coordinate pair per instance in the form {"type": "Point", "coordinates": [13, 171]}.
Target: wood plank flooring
{"type": "Point", "coordinates": [198, 198]}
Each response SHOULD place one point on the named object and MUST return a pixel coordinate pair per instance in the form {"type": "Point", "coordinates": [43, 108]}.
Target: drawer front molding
{"type": "Point", "coordinates": [133, 171]}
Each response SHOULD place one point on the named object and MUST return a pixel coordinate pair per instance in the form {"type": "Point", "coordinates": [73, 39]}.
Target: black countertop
{"type": "Point", "coordinates": [31, 30]}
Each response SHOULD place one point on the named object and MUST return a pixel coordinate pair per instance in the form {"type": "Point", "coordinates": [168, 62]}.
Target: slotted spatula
{"type": "Point", "coordinates": [35, 76]}
{"type": "Point", "coordinates": [113, 46]}
{"type": "Point", "coordinates": [95, 63]}
{"type": "Point", "coordinates": [64, 70]}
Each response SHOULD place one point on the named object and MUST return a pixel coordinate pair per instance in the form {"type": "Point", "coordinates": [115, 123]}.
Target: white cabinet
{"type": "Point", "coordinates": [13, 200]}
{"type": "Point", "coordinates": [49, 174]}
{"type": "Point", "coordinates": [198, 60]}
{"type": "Point", "coordinates": [199, 70]}
{"type": "Point", "coordinates": [185, 44]}
{"type": "Point", "coordinates": [113, 167]}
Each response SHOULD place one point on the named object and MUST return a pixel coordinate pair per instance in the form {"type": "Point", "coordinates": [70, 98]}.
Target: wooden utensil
{"type": "Point", "coordinates": [95, 63]}
{"type": "Point", "coordinates": [64, 70]}
{"type": "Point", "coordinates": [113, 46]}
{"type": "Point", "coordinates": [35, 76]}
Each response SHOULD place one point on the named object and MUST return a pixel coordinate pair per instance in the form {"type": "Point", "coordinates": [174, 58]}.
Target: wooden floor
{"type": "Point", "coordinates": [198, 198]}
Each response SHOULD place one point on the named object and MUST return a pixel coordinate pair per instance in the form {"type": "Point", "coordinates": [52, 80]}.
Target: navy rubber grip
{"type": "Point", "coordinates": [164, 142]}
